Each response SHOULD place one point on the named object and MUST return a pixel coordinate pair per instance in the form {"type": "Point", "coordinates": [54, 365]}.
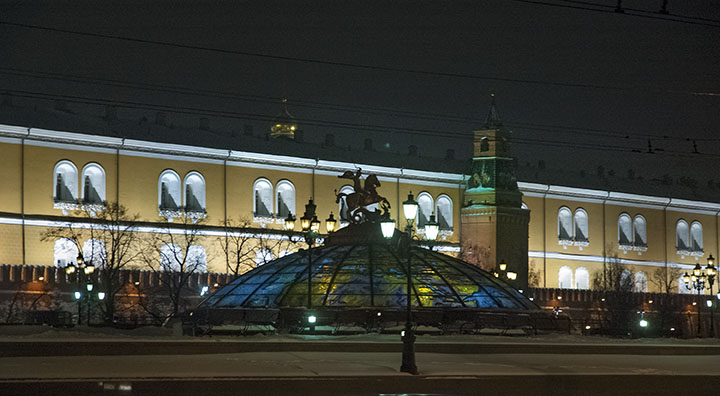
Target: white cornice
{"type": "Point", "coordinates": [617, 198]}
{"type": "Point", "coordinates": [601, 259]}
{"type": "Point", "coordinates": [66, 137]}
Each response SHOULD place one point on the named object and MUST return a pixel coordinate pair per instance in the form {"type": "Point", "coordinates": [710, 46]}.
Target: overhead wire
{"type": "Point", "coordinates": [657, 12]}
{"type": "Point", "coordinates": [341, 125]}
{"type": "Point", "coordinates": [586, 6]}
{"type": "Point", "coordinates": [364, 66]}
{"type": "Point", "coordinates": [346, 108]}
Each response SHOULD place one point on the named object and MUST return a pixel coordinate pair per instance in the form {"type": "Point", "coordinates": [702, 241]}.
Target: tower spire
{"type": "Point", "coordinates": [284, 123]}
{"type": "Point", "coordinates": [493, 118]}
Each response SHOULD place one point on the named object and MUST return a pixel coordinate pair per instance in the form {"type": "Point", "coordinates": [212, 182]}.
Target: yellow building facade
{"type": "Point", "coordinates": [47, 175]}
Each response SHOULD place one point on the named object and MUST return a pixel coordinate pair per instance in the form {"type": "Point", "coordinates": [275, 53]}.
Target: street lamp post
{"type": "Point", "coordinates": [387, 225]}
{"type": "Point", "coordinates": [310, 226]}
{"type": "Point", "coordinates": [84, 292]}
{"type": "Point", "coordinates": [410, 207]}
{"type": "Point", "coordinates": [711, 272]}
{"type": "Point", "coordinates": [697, 282]}
{"type": "Point", "coordinates": [503, 269]}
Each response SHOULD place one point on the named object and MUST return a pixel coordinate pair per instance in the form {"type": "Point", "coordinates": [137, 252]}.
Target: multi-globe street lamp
{"type": "Point", "coordinates": [85, 287]}
{"type": "Point", "coordinates": [502, 269]}
{"type": "Point", "coordinates": [387, 225]}
{"type": "Point", "coordinates": [310, 226]}
{"type": "Point", "coordinates": [697, 282]}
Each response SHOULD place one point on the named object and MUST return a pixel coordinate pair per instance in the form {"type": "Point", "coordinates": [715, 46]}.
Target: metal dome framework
{"type": "Point", "coordinates": [368, 276]}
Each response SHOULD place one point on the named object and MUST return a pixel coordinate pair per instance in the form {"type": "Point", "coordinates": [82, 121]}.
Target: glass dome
{"type": "Point", "coordinates": [371, 275]}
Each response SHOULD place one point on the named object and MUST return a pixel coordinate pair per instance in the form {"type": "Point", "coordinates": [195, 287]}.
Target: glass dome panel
{"type": "Point", "coordinates": [367, 276]}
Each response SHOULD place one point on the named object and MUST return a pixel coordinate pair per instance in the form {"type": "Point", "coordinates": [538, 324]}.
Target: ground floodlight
{"type": "Point", "coordinates": [643, 323]}
{"type": "Point", "coordinates": [709, 303]}
{"type": "Point", "coordinates": [101, 295]}
{"type": "Point", "coordinates": [78, 295]}
{"type": "Point", "coordinates": [312, 319]}
{"type": "Point", "coordinates": [89, 287]}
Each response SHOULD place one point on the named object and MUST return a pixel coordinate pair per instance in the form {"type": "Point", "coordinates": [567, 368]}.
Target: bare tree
{"type": "Point", "coordinates": [243, 245]}
{"type": "Point", "coordinates": [618, 283]}
{"type": "Point", "coordinates": [27, 299]}
{"type": "Point", "coordinates": [477, 255]}
{"type": "Point", "coordinates": [665, 278]}
{"type": "Point", "coordinates": [114, 245]}
{"type": "Point", "coordinates": [613, 277]}
{"type": "Point", "coordinates": [174, 254]}
{"type": "Point", "coordinates": [534, 276]}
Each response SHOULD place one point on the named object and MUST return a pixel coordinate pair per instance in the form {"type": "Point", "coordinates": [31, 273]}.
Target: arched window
{"type": "Point", "coordinates": [484, 144]}
{"type": "Point", "coordinates": [682, 236]}
{"type": "Point", "coordinates": [564, 224]}
{"type": "Point", "coordinates": [263, 256]}
{"type": "Point", "coordinates": [170, 257]}
{"type": "Point", "coordinates": [565, 276]}
{"type": "Point", "coordinates": [640, 231]}
{"type": "Point", "coordinates": [66, 253]}
{"type": "Point", "coordinates": [262, 198]}
{"type": "Point", "coordinates": [194, 192]}
{"type": "Point", "coordinates": [582, 278]}
{"type": "Point", "coordinates": [581, 225]}
{"type": "Point", "coordinates": [342, 205]}
{"type": "Point", "coordinates": [94, 252]}
{"type": "Point", "coordinates": [626, 281]}
{"type": "Point", "coordinates": [444, 212]}
{"type": "Point", "coordinates": [625, 230]}
{"type": "Point", "coordinates": [93, 184]}
{"type": "Point", "coordinates": [425, 209]}
{"type": "Point", "coordinates": [696, 237]}
{"type": "Point", "coordinates": [284, 199]}
{"type": "Point", "coordinates": [196, 259]}
{"type": "Point", "coordinates": [169, 192]}
{"type": "Point", "coordinates": [65, 182]}
{"type": "Point", "coordinates": [640, 282]}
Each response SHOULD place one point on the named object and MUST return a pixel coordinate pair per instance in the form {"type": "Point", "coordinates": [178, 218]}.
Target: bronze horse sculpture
{"type": "Point", "coordinates": [363, 196]}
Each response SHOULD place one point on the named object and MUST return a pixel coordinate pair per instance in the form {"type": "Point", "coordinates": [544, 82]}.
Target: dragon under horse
{"type": "Point", "coordinates": [363, 196]}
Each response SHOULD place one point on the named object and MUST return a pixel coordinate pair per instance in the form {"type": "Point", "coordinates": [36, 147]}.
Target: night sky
{"type": "Point", "coordinates": [579, 85]}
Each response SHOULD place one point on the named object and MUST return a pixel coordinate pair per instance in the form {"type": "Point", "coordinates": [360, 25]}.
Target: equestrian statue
{"type": "Point", "coordinates": [363, 196]}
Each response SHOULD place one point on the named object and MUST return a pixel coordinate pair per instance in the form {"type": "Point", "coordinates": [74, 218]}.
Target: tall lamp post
{"type": "Point", "coordinates": [310, 226]}
{"type": "Point", "coordinates": [410, 208]}
{"type": "Point", "coordinates": [711, 272]}
{"type": "Point", "coordinates": [84, 271]}
{"type": "Point", "coordinates": [697, 282]}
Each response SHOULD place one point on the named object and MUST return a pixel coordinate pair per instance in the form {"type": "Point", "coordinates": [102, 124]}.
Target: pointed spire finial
{"type": "Point", "coordinates": [493, 118]}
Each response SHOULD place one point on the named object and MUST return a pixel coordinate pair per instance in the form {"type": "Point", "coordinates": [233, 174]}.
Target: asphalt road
{"type": "Point", "coordinates": [339, 373]}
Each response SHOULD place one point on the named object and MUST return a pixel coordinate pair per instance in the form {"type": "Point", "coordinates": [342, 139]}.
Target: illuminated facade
{"type": "Point", "coordinates": [572, 231]}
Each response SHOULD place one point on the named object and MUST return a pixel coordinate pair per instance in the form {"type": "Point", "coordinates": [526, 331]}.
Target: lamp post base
{"type": "Point", "coordinates": [408, 353]}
